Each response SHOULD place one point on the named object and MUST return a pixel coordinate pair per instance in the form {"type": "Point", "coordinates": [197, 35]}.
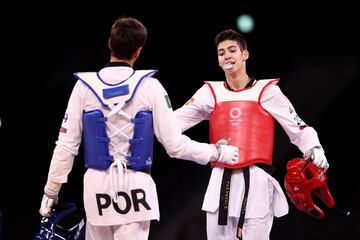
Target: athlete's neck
{"type": "Point", "coordinates": [239, 82]}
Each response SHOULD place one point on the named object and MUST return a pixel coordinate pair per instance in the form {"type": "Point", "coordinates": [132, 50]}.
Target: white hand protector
{"type": "Point", "coordinates": [46, 204]}
{"type": "Point", "coordinates": [317, 155]}
{"type": "Point", "coordinates": [50, 198]}
{"type": "Point", "coordinates": [227, 154]}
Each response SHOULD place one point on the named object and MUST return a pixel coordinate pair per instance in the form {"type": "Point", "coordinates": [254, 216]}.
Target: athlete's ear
{"type": "Point", "coordinates": [245, 54]}
{"type": "Point", "coordinates": [109, 44]}
{"type": "Point", "coordinates": [137, 52]}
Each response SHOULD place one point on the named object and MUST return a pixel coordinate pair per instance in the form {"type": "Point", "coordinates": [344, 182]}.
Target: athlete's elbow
{"type": "Point", "coordinates": [175, 153]}
{"type": "Point", "coordinates": [175, 150]}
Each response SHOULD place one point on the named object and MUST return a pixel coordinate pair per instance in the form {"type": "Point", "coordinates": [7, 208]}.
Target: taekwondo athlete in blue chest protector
{"type": "Point", "coordinates": [116, 112]}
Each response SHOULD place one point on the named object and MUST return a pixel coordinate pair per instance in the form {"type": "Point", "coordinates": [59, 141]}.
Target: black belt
{"type": "Point", "coordinates": [244, 202]}
{"type": "Point", "coordinates": [224, 199]}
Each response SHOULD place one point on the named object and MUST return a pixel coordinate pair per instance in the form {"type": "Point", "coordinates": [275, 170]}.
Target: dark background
{"type": "Point", "coordinates": [312, 49]}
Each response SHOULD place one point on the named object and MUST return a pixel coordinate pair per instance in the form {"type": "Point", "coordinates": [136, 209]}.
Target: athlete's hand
{"type": "Point", "coordinates": [227, 154]}
{"type": "Point", "coordinates": [317, 155]}
{"type": "Point", "coordinates": [47, 203]}
{"type": "Point", "coordinates": [50, 198]}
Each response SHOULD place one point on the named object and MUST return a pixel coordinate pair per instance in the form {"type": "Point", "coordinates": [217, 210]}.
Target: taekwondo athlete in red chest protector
{"type": "Point", "coordinates": [242, 199]}
{"type": "Point", "coordinates": [116, 112]}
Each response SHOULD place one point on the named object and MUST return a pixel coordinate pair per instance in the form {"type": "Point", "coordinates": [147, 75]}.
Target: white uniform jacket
{"type": "Point", "coordinates": [137, 196]}
{"type": "Point", "coordinates": [260, 202]}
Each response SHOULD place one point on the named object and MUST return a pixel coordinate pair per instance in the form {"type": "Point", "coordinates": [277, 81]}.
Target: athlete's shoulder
{"type": "Point", "coordinates": [214, 82]}
{"type": "Point", "coordinates": [146, 73]}
{"type": "Point", "coordinates": [269, 80]}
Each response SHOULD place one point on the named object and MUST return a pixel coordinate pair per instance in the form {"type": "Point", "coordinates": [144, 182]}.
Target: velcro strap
{"type": "Point", "coordinates": [136, 140]}
{"type": "Point", "coordinates": [115, 91]}
{"type": "Point", "coordinates": [103, 139]}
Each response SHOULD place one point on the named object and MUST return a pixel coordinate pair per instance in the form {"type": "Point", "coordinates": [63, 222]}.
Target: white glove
{"type": "Point", "coordinates": [317, 155]}
{"type": "Point", "coordinates": [47, 203]}
{"type": "Point", "coordinates": [227, 154]}
{"type": "Point", "coordinates": [50, 198]}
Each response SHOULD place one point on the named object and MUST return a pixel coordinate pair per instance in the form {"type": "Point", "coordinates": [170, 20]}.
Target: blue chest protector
{"type": "Point", "coordinates": [96, 140]}
{"type": "Point", "coordinates": [143, 141]}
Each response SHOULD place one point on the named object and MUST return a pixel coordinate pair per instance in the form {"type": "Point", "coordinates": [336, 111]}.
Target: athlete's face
{"type": "Point", "coordinates": [230, 56]}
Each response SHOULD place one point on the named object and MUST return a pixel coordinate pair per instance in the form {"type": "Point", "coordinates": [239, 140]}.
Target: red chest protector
{"type": "Point", "coordinates": [239, 118]}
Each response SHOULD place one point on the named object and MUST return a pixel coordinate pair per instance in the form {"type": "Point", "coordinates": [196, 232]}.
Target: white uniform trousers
{"type": "Point", "coordinates": [253, 228]}
{"type": "Point", "coordinates": [131, 231]}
